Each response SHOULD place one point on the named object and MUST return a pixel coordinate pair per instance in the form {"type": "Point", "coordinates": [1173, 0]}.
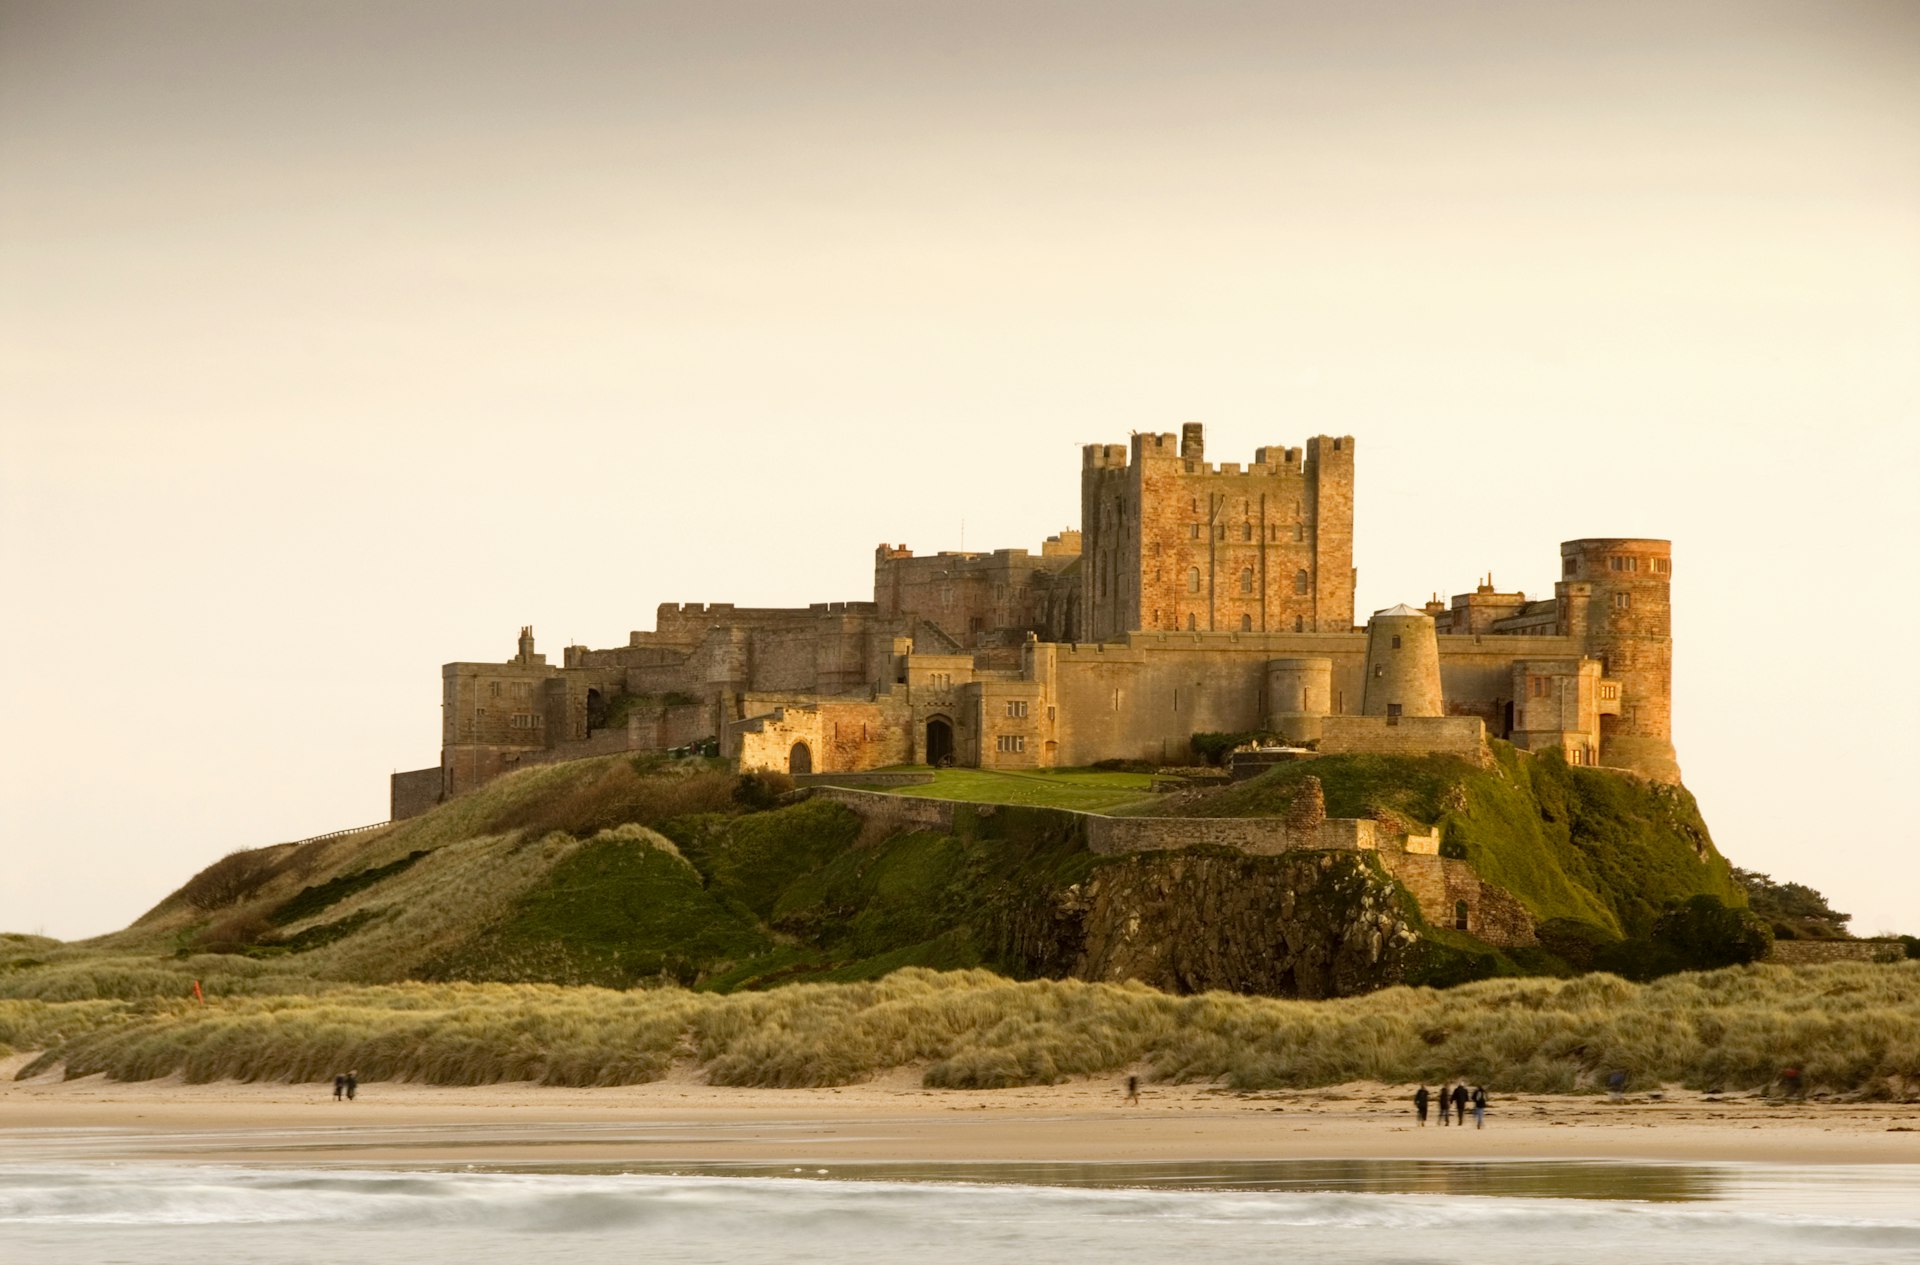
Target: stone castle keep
{"type": "Point", "coordinates": [1194, 598]}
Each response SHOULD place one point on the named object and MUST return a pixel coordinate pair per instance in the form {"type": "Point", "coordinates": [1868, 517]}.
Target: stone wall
{"type": "Point", "coordinates": [414, 792]}
{"type": "Point", "coordinates": [1810, 952]}
{"type": "Point", "coordinates": [908, 812]}
{"type": "Point", "coordinates": [1441, 885]}
{"type": "Point", "coordinates": [871, 777]}
{"type": "Point", "coordinates": [1172, 541]}
{"type": "Point", "coordinates": [973, 598]}
{"type": "Point", "coordinates": [1413, 735]}
{"type": "Point", "coordinates": [1258, 836]}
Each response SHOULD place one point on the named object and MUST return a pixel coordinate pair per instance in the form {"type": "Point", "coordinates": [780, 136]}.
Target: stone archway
{"type": "Point", "coordinates": [939, 749]}
{"type": "Point", "coordinates": [800, 759]}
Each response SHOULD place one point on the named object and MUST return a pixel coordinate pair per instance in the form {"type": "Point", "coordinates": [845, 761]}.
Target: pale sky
{"type": "Point", "coordinates": [339, 340]}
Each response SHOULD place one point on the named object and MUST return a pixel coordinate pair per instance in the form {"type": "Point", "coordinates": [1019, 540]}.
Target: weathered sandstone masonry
{"type": "Point", "coordinates": [1195, 597]}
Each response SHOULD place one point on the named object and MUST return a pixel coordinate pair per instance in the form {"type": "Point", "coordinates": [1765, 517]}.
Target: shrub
{"type": "Point", "coordinates": [1705, 934]}
{"type": "Point", "coordinates": [1575, 941]}
{"type": "Point", "coordinates": [760, 789]}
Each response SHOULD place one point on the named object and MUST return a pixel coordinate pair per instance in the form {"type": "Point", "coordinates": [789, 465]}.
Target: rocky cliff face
{"type": "Point", "coordinates": [1320, 924]}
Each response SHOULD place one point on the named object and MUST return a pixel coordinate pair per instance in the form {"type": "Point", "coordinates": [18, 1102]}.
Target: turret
{"type": "Point", "coordinates": [1615, 597]}
{"type": "Point", "coordinates": [1403, 665]}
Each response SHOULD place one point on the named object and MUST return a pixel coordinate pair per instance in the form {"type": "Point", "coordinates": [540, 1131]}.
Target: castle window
{"type": "Point", "coordinates": [1300, 581]}
{"type": "Point", "coordinates": [1299, 531]}
{"type": "Point", "coordinates": [1660, 566]}
{"type": "Point", "coordinates": [1246, 531]}
{"type": "Point", "coordinates": [1393, 713]}
{"type": "Point", "coordinates": [1459, 915]}
{"type": "Point", "coordinates": [1609, 691]}
{"type": "Point", "coordinates": [1246, 623]}
{"type": "Point", "coordinates": [1193, 531]}
{"type": "Point", "coordinates": [1570, 567]}
{"type": "Point", "coordinates": [1273, 531]}
{"type": "Point", "coordinates": [1621, 562]}
{"type": "Point", "coordinates": [1246, 579]}
{"type": "Point", "coordinates": [1194, 505]}
{"type": "Point", "coordinates": [1537, 686]}
{"type": "Point", "coordinates": [1010, 742]}
{"type": "Point", "coordinates": [1223, 531]}
{"type": "Point", "coordinates": [1193, 579]}
{"type": "Point", "coordinates": [493, 689]}
{"type": "Point", "coordinates": [1193, 624]}
{"type": "Point", "coordinates": [1017, 707]}
{"type": "Point", "coordinates": [1396, 641]}
{"type": "Point", "coordinates": [1622, 601]}
{"type": "Point", "coordinates": [1299, 623]}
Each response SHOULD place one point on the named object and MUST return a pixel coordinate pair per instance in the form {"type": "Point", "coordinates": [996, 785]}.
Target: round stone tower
{"type": "Point", "coordinates": [1403, 664]}
{"type": "Point", "coordinates": [1299, 695]}
{"type": "Point", "coordinates": [1616, 599]}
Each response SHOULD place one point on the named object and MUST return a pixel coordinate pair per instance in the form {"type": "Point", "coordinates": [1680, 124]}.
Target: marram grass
{"type": "Point", "coordinates": [1853, 1028]}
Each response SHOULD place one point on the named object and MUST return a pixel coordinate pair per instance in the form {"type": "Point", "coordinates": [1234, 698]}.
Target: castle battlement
{"type": "Point", "coordinates": [1193, 597]}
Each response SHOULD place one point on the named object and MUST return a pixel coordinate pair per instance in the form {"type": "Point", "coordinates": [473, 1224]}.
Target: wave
{"type": "Point", "coordinates": [572, 1204]}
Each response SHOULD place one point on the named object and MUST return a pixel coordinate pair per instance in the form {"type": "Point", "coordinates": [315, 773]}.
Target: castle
{"type": "Point", "coordinates": [1194, 598]}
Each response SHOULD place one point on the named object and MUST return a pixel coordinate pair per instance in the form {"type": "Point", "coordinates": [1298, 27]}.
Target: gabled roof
{"type": "Point", "coordinates": [1399, 612]}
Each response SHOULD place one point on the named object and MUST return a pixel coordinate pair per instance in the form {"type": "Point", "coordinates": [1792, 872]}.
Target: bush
{"type": "Point", "coordinates": [1575, 941]}
{"type": "Point", "coordinates": [760, 789]}
{"type": "Point", "coordinates": [1705, 934]}
{"type": "Point", "coordinates": [1796, 911]}
{"type": "Point", "coordinates": [1215, 747]}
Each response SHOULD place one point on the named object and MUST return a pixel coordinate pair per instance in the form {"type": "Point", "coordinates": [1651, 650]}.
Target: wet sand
{"type": "Point", "coordinates": [684, 1120]}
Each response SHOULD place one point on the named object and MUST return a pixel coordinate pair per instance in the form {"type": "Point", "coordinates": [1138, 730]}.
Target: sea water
{"type": "Point", "coordinates": [1331, 1212]}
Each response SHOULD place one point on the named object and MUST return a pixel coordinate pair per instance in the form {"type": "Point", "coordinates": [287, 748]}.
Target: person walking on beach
{"type": "Point", "coordinates": [1420, 1105]}
{"type": "Point", "coordinates": [339, 1085]}
{"type": "Point", "coordinates": [1133, 1091]}
{"type": "Point", "coordinates": [353, 1084]}
{"type": "Point", "coordinates": [1479, 1107]}
{"type": "Point", "coordinates": [1459, 1102]}
{"type": "Point", "coordinates": [1446, 1093]}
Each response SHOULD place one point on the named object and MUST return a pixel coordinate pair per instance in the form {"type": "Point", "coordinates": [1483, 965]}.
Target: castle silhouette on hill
{"type": "Point", "coordinates": [1194, 598]}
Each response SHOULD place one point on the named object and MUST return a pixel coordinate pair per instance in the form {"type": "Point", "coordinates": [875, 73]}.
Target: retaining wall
{"type": "Point", "coordinates": [1809, 952]}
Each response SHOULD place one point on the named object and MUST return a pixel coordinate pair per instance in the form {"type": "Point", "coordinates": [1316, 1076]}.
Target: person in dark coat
{"type": "Point", "coordinates": [1446, 1095]}
{"type": "Point", "coordinates": [1459, 1103]}
{"type": "Point", "coordinates": [339, 1085]}
{"type": "Point", "coordinates": [1420, 1105]}
{"type": "Point", "coordinates": [353, 1085]}
{"type": "Point", "coordinates": [1479, 1107]}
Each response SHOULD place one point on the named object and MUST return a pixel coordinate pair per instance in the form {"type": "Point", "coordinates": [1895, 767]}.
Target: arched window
{"type": "Point", "coordinates": [1299, 623]}
{"type": "Point", "coordinates": [1460, 915]}
{"type": "Point", "coordinates": [1246, 531]}
{"type": "Point", "coordinates": [1246, 623]}
{"type": "Point", "coordinates": [1193, 579]}
{"type": "Point", "coordinates": [1300, 581]}
{"type": "Point", "coordinates": [1246, 579]}
{"type": "Point", "coordinates": [1192, 622]}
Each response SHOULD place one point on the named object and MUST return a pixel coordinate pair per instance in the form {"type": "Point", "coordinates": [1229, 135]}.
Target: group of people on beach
{"type": "Point", "coordinates": [346, 1085]}
{"type": "Point", "coordinates": [1456, 1097]}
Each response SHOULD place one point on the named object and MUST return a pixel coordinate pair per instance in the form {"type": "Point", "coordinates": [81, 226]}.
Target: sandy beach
{"type": "Point", "coordinates": [684, 1120]}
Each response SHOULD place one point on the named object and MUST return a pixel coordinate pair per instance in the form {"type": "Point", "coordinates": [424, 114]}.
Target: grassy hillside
{"type": "Point", "coordinates": [1586, 844]}
{"type": "Point", "coordinates": [618, 872]}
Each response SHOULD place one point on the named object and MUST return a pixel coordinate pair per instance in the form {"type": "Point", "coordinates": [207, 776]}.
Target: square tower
{"type": "Point", "coordinates": [1170, 541]}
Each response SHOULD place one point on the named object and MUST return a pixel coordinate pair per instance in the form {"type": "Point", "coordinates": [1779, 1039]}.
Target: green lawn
{"type": "Point", "coordinates": [1088, 790]}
